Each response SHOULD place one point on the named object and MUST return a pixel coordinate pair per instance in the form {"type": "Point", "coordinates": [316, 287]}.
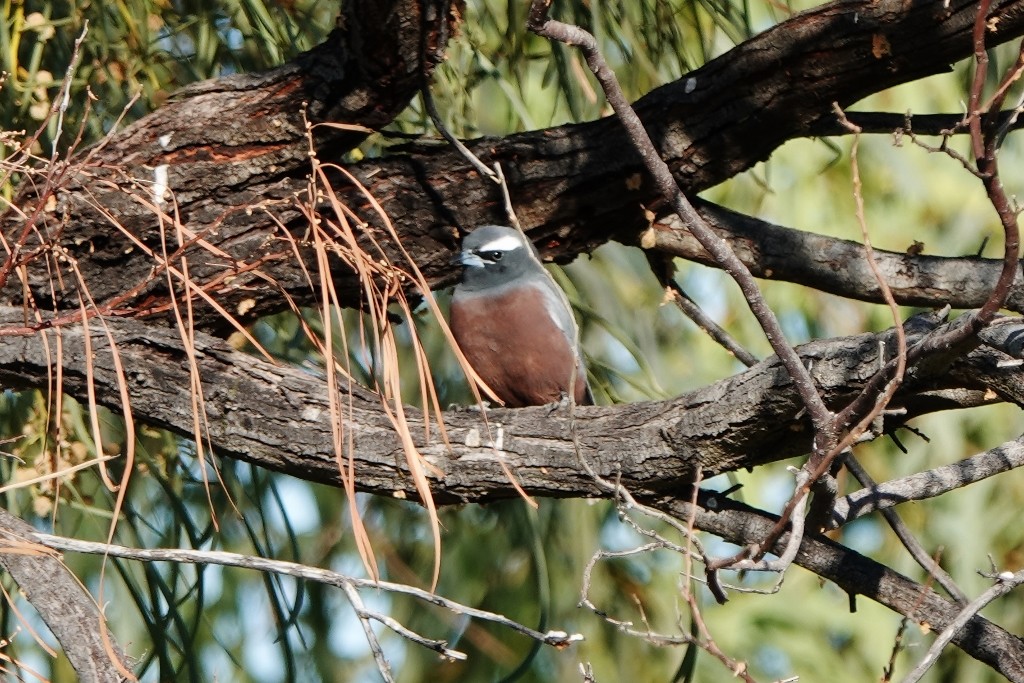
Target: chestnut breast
{"type": "Point", "coordinates": [514, 344]}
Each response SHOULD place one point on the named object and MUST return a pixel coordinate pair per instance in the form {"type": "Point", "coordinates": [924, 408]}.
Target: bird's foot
{"type": "Point", "coordinates": [561, 403]}
{"type": "Point", "coordinates": [474, 408]}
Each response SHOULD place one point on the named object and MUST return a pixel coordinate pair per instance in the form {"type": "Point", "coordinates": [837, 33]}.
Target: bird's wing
{"type": "Point", "coordinates": [558, 307]}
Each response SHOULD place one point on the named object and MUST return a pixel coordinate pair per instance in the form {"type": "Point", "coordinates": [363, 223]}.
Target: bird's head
{"type": "Point", "coordinates": [496, 256]}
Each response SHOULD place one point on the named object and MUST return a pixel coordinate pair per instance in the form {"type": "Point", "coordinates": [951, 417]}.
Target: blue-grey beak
{"type": "Point", "coordinates": [468, 258]}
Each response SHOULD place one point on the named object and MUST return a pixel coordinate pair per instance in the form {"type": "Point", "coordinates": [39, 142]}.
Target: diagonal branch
{"type": "Point", "coordinates": [60, 599]}
{"type": "Point", "coordinates": [671, 194]}
{"type": "Point", "coordinates": [859, 575]}
{"type": "Point", "coordinates": [928, 484]}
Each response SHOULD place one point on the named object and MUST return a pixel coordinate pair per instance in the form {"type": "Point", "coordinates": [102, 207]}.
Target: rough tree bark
{"type": "Point", "coordinates": [278, 416]}
{"type": "Point", "coordinates": [227, 162]}
{"type": "Point", "coordinates": [234, 153]}
{"type": "Point", "coordinates": [63, 603]}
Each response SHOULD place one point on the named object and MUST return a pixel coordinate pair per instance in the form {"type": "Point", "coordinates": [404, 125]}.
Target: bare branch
{"type": "Point", "coordinates": [903, 533]}
{"type": "Point", "coordinates": [856, 574]}
{"type": "Point", "coordinates": [540, 24]}
{"type": "Point", "coordinates": [838, 266]}
{"type": "Point", "coordinates": [1005, 582]}
{"type": "Point", "coordinates": [557, 639]}
{"type": "Point", "coordinates": [928, 484]}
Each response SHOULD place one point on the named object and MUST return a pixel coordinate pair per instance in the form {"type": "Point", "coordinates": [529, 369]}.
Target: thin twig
{"type": "Point", "coordinates": [907, 538]}
{"type": "Point", "coordinates": [984, 129]}
{"type": "Point", "coordinates": [556, 639]}
{"type": "Point", "coordinates": [540, 24]}
{"type": "Point", "coordinates": [1005, 582]}
{"type": "Point", "coordinates": [474, 161]}
{"type": "Point", "coordinates": [661, 266]}
{"type": "Point", "coordinates": [356, 601]}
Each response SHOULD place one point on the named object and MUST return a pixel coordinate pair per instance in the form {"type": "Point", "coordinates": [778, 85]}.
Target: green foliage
{"type": "Point", "coordinates": [197, 624]}
{"type": "Point", "coordinates": [135, 53]}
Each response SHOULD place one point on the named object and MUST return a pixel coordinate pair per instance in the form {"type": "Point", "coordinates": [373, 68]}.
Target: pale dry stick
{"type": "Point", "coordinates": [1005, 582]}
{"type": "Point", "coordinates": [61, 105]}
{"type": "Point", "coordinates": [663, 542]}
{"type": "Point", "coordinates": [356, 601]}
{"type": "Point", "coordinates": [708, 644]}
{"type": "Point", "coordinates": [627, 502]}
{"type": "Point", "coordinates": [625, 626]}
{"type": "Point", "coordinates": [797, 520]}
{"type": "Point", "coordinates": [438, 646]}
{"type": "Point", "coordinates": [907, 538]}
{"type": "Point", "coordinates": [556, 639]}
{"type": "Point", "coordinates": [56, 475]}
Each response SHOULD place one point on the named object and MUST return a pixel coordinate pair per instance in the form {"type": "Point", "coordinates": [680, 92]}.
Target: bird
{"type": "Point", "coordinates": [514, 324]}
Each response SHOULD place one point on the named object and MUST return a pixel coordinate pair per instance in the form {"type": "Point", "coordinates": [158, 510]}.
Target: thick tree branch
{"type": "Point", "coordinates": [277, 416]}
{"type": "Point", "coordinates": [236, 192]}
{"type": "Point", "coordinates": [225, 161]}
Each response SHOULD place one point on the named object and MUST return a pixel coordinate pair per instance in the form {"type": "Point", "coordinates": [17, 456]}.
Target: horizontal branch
{"type": "Point", "coordinates": [575, 186]}
{"type": "Point", "coordinates": [278, 416]}
{"type": "Point", "coordinates": [838, 266]}
{"type": "Point", "coordinates": [558, 639]}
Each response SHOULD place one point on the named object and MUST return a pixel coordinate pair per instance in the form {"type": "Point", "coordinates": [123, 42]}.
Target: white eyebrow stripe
{"type": "Point", "coordinates": [503, 243]}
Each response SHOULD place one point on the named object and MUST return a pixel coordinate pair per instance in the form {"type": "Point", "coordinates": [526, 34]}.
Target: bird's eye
{"type": "Point", "coordinates": [492, 256]}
